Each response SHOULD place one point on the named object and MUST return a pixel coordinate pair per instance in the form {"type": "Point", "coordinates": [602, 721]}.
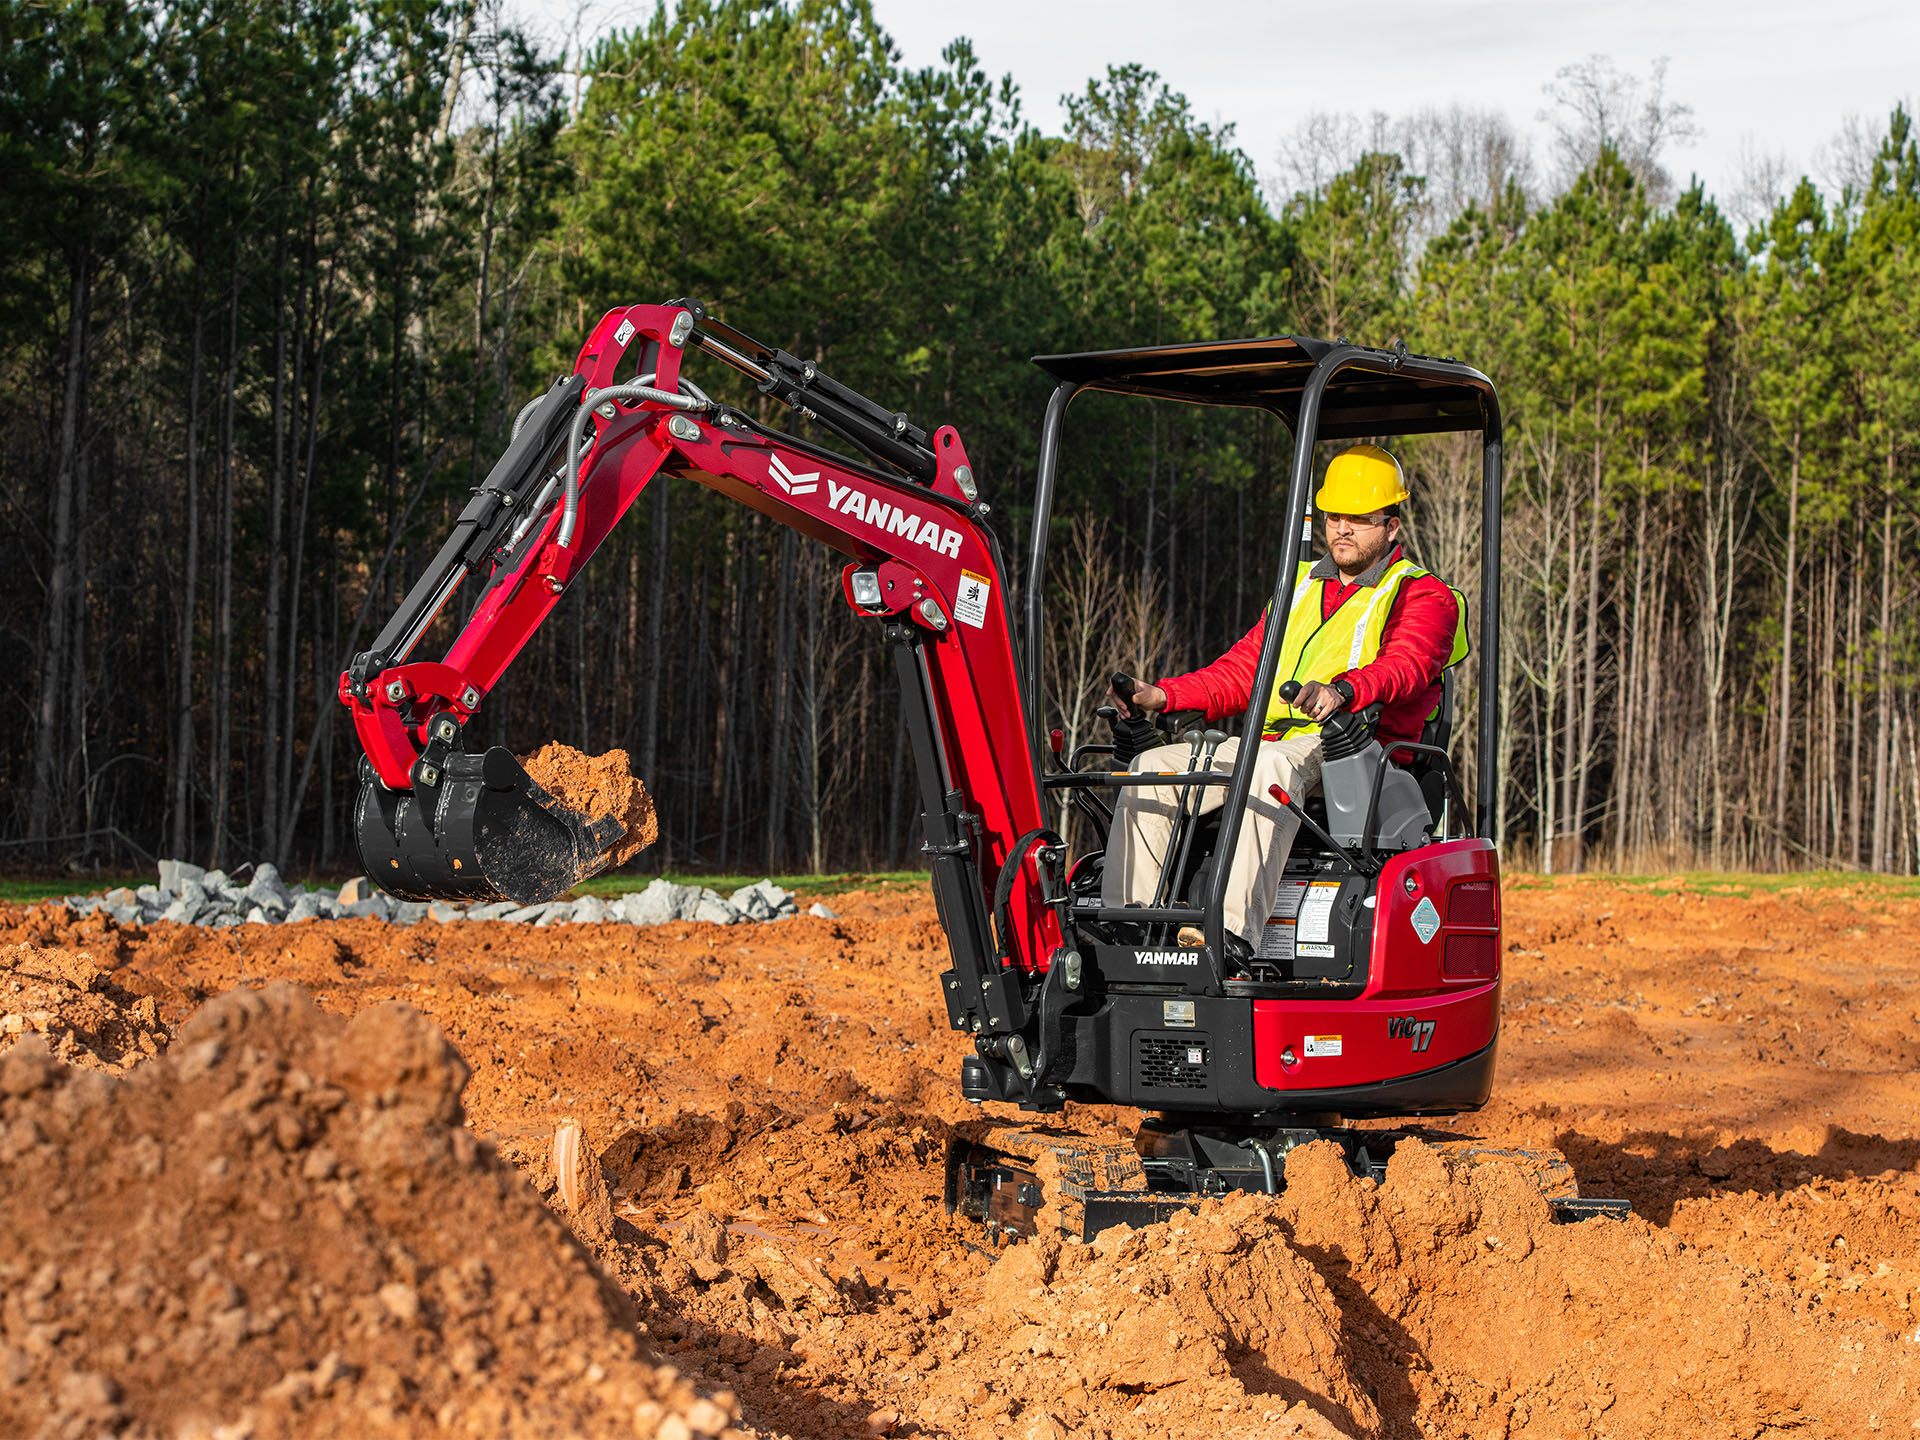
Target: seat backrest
{"type": "Point", "coordinates": [1438, 731]}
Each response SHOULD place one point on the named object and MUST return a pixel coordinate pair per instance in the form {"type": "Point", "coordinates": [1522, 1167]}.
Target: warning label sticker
{"type": "Point", "coordinates": [1276, 941]}
{"type": "Point", "coordinates": [624, 333]}
{"type": "Point", "coordinates": [1323, 1045]}
{"type": "Point", "coordinates": [1314, 937]}
{"type": "Point", "coordinates": [970, 602]}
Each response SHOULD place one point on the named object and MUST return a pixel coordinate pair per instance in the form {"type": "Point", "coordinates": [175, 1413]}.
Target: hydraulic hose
{"type": "Point", "coordinates": [531, 514]}
{"type": "Point", "coordinates": [576, 467]}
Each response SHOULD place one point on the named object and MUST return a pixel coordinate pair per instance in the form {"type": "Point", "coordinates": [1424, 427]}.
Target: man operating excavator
{"type": "Point", "coordinates": [1367, 627]}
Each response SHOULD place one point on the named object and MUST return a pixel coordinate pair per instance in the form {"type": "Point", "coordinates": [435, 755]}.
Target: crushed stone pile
{"type": "Point", "coordinates": [72, 1005]}
{"type": "Point", "coordinates": [189, 895]}
{"type": "Point", "coordinates": [596, 786]}
{"type": "Point", "coordinates": [282, 1227]}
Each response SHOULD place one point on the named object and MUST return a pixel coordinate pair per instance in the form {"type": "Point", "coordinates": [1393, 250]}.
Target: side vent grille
{"type": "Point", "coordinates": [1165, 1062]}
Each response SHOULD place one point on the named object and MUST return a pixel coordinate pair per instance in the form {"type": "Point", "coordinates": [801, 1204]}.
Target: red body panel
{"type": "Point", "coordinates": [1381, 1034]}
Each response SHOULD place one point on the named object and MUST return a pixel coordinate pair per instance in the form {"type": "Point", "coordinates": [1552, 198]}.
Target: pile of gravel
{"type": "Point", "coordinates": [189, 895]}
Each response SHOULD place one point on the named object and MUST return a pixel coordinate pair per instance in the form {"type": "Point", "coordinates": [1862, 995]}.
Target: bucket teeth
{"type": "Point", "coordinates": [484, 830]}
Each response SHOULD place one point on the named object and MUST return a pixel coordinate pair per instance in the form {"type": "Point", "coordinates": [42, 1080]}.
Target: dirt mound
{"type": "Point", "coordinates": [283, 1227]}
{"type": "Point", "coordinates": [1212, 1313]}
{"type": "Point", "coordinates": [69, 1001]}
{"type": "Point", "coordinates": [597, 786]}
{"type": "Point", "coordinates": [1445, 1298]}
{"type": "Point", "coordinates": [1468, 1307]}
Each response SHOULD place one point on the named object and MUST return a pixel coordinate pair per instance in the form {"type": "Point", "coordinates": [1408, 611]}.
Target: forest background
{"type": "Point", "coordinates": [274, 280]}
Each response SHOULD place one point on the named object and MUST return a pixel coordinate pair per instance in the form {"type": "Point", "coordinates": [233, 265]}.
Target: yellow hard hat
{"type": "Point", "coordinates": [1360, 481]}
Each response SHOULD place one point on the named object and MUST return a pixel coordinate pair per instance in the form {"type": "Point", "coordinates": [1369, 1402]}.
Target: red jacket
{"type": "Point", "coordinates": [1404, 677]}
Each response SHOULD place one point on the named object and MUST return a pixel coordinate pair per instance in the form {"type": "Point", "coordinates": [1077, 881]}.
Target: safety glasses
{"type": "Point", "coordinates": [1354, 522]}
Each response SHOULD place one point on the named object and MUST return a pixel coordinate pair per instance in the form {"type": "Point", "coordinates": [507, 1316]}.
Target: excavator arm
{"type": "Point", "coordinates": [434, 820]}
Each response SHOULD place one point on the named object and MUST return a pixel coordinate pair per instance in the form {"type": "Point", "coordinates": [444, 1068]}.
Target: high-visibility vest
{"type": "Point", "coordinates": [1319, 649]}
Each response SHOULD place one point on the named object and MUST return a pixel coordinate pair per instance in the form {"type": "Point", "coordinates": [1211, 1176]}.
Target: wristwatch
{"type": "Point", "coordinates": [1345, 687]}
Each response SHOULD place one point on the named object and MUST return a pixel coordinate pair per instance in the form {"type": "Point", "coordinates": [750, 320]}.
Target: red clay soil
{"type": "Point", "coordinates": [597, 786]}
{"type": "Point", "coordinates": [73, 1005]}
{"type": "Point", "coordinates": [283, 1227]}
{"type": "Point", "coordinates": [770, 1105]}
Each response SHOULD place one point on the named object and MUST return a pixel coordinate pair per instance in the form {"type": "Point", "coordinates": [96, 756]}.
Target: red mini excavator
{"type": "Point", "coordinates": [1379, 995]}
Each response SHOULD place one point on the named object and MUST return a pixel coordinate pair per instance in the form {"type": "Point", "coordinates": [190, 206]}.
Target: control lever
{"type": "Point", "coordinates": [1132, 734]}
{"type": "Point", "coordinates": [1056, 747]}
{"type": "Point", "coordinates": [1338, 723]}
{"type": "Point", "coordinates": [1346, 731]}
{"type": "Point", "coordinates": [1210, 743]}
{"type": "Point", "coordinates": [1319, 832]}
{"type": "Point", "coordinates": [1182, 827]}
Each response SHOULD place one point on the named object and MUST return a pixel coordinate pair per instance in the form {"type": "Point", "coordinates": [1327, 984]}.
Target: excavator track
{"type": "Point", "coordinates": [1019, 1180]}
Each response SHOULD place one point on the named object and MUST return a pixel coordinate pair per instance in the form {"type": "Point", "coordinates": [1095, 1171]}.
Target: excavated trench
{"type": "Point", "coordinates": [227, 1201]}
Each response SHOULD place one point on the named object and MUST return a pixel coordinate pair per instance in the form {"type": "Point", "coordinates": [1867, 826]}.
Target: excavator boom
{"type": "Point", "coordinates": [434, 821]}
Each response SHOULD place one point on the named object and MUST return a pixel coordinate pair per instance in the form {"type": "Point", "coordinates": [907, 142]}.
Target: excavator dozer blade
{"type": "Point", "coordinates": [485, 832]}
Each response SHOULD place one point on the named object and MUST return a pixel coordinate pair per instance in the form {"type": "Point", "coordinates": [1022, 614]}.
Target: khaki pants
{"type": "Point", "coordinates": [1143, 825]}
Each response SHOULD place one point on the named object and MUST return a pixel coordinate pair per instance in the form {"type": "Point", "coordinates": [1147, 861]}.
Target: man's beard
{"type": "Point", "coordinates": [1365, 559]}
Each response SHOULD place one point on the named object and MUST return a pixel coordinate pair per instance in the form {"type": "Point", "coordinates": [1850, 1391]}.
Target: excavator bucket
{"type": "Point", "coordinates": [483, 831]}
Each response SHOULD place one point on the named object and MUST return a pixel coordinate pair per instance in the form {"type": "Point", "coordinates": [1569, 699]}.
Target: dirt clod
{"type": "Point", "coordinates": [66, 999]}
{"type": "Point", "coordinates": [597, 786]}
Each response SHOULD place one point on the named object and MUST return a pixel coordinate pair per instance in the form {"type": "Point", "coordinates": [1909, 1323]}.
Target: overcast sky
{"type": "Point", "coordinates": [1764, 77]}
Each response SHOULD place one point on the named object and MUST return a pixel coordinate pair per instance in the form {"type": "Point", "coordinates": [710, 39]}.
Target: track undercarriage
{"type": "Point", "coordinates": [1020, 1180]}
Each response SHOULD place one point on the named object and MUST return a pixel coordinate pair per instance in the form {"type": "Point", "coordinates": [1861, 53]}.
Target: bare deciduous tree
{"type": "Point", "coordinates": [1595, 105]}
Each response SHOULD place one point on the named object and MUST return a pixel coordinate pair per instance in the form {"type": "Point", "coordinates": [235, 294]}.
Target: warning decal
{"type": "Point", "coordinates": [1316, 919]}
{"type": "Point", "coordinates": [970, 602]}
{"type": "Point", "coordinates": [1276, 939]}
{"type": "Point", "coordinates": [1319, 1045]}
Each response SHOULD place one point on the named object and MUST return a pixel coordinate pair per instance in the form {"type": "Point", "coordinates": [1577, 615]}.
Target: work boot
{"type": "Point", "coordinates": [1239, 952]}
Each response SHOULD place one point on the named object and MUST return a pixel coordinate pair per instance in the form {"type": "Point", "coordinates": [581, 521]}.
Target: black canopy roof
{"type": "Point", "coordinates": [1385, 393]}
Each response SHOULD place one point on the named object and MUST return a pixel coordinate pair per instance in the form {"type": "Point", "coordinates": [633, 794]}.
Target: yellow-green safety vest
{"type": "Point", "coordinates": [1316, 649]}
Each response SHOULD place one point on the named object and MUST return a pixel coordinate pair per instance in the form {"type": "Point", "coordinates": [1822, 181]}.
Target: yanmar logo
{"type": "Point", "coordinates": [793, 484]}
{"type": "Point", "coordinates": [886, 516]}
{"type": "Point", "coordinates": [1166, 957]}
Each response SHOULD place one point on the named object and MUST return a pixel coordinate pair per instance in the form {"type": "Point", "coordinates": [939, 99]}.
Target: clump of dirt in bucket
{"type": "Point", "coordinates": [85, 1019]}
{"type": "Point", "coordinates": [597, 786]}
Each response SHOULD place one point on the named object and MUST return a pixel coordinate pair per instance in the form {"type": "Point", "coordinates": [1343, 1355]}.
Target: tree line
{"type": "Point", "coordinates": [274, 281]}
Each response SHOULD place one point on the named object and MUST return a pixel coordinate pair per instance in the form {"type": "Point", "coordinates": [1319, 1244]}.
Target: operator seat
{"type": "Point", "coordinates": [1437, 732]}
